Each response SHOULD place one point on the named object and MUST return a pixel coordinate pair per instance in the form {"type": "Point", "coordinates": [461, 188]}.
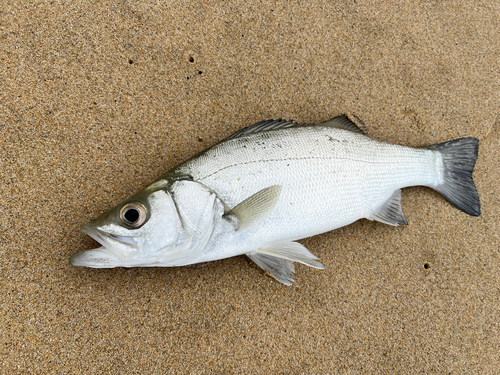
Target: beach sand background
{"type": "Point", "coordinates": [98, 98]}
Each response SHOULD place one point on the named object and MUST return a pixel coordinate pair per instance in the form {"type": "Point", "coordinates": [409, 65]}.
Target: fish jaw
{"type": "Point", "coordinates": [111, 254]}
{"type": "Point", "coordinates": [96, 258]}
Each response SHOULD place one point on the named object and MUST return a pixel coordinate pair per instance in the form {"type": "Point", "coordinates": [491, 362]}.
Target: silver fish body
{"type": "Point", "coordinates": [265, 187]}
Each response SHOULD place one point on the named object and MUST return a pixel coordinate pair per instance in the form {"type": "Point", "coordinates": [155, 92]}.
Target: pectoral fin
{"type": "Point", "coordinates": [255, 208]}
{"type": "Point", "coordinates": [391, 212]}
{"type": "Point", "coordinates": [277, 258]}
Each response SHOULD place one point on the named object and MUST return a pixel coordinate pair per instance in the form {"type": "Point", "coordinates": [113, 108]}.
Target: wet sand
{"type": "Point", "coordinates": [98, 99]}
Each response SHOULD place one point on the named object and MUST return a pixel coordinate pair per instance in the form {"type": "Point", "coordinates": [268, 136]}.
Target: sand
{"type": "Point", "coordinates": [97, 99]}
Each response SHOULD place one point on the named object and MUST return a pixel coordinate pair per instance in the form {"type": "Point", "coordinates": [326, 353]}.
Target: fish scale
{"type": "Point", "coordinates": [270, 184]}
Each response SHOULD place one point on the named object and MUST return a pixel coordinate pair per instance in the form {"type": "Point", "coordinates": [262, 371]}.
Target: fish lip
{"type": "Point", "coordinates": [95, 258]}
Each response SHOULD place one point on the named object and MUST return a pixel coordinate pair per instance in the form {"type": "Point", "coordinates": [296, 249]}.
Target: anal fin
{"type": "Point", "coordinates": [391, 212]}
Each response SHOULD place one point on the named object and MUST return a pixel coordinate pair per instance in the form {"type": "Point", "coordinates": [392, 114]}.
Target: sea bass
{"type": "Point", "coordinates": [268, 185]}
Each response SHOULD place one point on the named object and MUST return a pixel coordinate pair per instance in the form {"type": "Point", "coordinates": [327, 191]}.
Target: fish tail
{"type": "Point", "coordinates": [459, 157]}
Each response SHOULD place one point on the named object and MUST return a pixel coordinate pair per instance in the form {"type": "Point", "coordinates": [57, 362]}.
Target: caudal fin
{"type": "Point", "coordinates": [459, 158]}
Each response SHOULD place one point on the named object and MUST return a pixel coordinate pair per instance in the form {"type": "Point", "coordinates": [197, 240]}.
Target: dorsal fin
{"type": "Point", "coordinates": [339, 122]}
{"type": "Point", "coordinates": [264, 126]}
{"type": "Point", "coordinates": [342, 122]}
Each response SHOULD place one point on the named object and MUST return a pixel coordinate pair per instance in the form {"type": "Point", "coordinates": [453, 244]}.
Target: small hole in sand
{"type": "Point", "coordinates": [191, 59]}
{"type": "Point", "coordinates": [427, 266]}
{"type": "Point", "coordinates": [200, 139]}
{"type": "Point", "coordinates": [130, 61]}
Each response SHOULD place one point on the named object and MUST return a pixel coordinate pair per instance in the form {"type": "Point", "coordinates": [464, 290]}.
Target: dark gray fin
{"type": "Point", "coordinates": [342, 122]}
{"type": "Point", "coordinates": [459, 158]}
{"type": "Point", "coordinates": [391, 212]}
{"type": "Point", "coordinates": [264, 126]}
{"type": "Point", "coordinates": [279, 268]}
{"type": "Point", "coordinates": [255, 208]}
{"type": "Point", "coordinates": [293, 251]}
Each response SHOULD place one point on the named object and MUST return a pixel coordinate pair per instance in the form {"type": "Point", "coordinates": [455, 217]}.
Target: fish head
{"type": "Point", "coordinates": [165, 224]}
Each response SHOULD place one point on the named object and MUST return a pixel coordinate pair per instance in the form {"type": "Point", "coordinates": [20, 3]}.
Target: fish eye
{"type": "Point", "coordinates": [133, 214]}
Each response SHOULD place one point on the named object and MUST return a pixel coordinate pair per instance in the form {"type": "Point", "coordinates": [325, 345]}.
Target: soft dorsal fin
{"type": "Point", "coordinates": [264, 126]}
{"type": "Point", "coordinates": [339, 122]}
{"type": "Point", "coordinates": [391, 212]}
{"type": "Point", "coordinates": [255, 208]}
{"type": "Point", "coordinates": [342, 122]}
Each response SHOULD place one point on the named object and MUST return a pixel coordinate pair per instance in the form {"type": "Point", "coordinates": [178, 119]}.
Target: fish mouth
{"type": "Point", "coordinates": [106, 239]}
{"type": "Point", "coordinates": [106, 256]}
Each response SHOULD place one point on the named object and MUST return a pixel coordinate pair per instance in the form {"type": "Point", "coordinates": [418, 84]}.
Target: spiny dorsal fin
{"type": "Point", "coordinates": [342, 122]}
{"type": "Point", "coordinates": [279, 268]}
{"type": "Point", "coordinates": [391, 212]}
{"type": "Point", "coordinates": [255, 208]}
{"type": "Point", "coordinates": [264, 126]}
{"type": "Point", "coordinates": [339, 122]}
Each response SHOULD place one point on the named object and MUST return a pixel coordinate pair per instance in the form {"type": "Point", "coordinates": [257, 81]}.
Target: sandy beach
{"type": "Point", "coordinates": [97, 99]}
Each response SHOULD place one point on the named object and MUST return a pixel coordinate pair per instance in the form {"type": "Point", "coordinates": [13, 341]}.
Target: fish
{"type": "Point", "coordinates": [260, 190]}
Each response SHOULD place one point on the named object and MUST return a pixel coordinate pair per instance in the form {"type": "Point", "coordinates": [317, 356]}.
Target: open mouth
{"type": "Point", "coordinates": [105, 256]}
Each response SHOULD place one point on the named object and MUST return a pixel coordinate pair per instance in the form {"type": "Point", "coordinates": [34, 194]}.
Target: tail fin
{"type": "Point", "coordinates": [459, 158]}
